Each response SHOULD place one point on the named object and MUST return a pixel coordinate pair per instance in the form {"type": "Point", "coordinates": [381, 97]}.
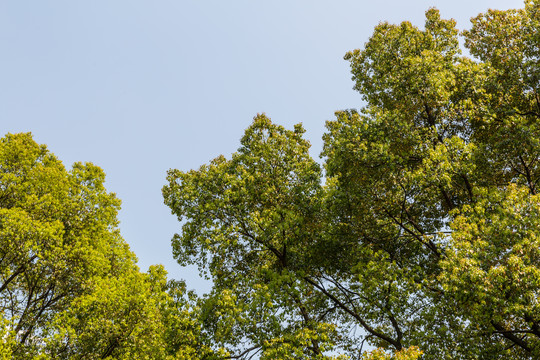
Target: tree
{"type": "Point", "coordinates": [248, 219]}
{"type": "Point", "coordinates": [136, 316]}
{"type": "Point", "coordinates": [425, 231]}
{"type": "Point", "coordinates": [69, 285]}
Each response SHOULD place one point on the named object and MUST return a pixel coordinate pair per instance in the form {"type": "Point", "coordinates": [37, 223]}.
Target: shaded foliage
{"type": "Point", "coordinates": [424, 232]}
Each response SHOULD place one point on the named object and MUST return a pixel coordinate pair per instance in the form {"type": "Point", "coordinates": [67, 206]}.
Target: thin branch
{"type": "Point", "coordinates": [243, 352]}
{"type": "Point", "coordinates": [366, 326]}
{"type": "Point", "coordinates": [511, 336]}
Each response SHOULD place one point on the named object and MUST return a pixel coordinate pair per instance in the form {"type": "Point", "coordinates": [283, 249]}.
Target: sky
{"type": "Point", "coordinates": [139, 87]}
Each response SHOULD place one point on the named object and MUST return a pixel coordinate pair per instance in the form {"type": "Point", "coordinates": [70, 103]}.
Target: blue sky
{"type": "Point", "coordinates": [138, 87]}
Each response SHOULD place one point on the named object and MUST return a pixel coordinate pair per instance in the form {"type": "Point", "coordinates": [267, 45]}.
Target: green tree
{"type": "Point", "coordinates": [248, 222]}
{"type": "Point", "coordinates": [57, 231]}
{"type": "Point", "coordinates": [135, 316]}
{"type": "Point", "coordinates": [69, 285]}
{"type": "Point", "coordinates": [425, 230]}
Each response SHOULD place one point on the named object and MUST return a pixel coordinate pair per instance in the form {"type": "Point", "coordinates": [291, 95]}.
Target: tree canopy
{"type": "Point", "coordinates": [69, 285]}
{"type": "Point", "coordinates": [418, 234]}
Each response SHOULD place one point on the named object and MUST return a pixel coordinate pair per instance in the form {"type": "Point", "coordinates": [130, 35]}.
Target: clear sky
{"type": "Point", "coordinates": [138, 87]}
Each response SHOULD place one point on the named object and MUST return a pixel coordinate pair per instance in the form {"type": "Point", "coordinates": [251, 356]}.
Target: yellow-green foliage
{"type": "Point", "coordinates": [423, 229]}
{"type": "Point", "coordinates": [69, 286]}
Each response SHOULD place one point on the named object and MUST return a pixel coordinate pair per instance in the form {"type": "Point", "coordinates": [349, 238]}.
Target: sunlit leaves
{"type": "Point", "coordinates": [69, 285]}
{"type": "Point", "coordinates": [421, 232]}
